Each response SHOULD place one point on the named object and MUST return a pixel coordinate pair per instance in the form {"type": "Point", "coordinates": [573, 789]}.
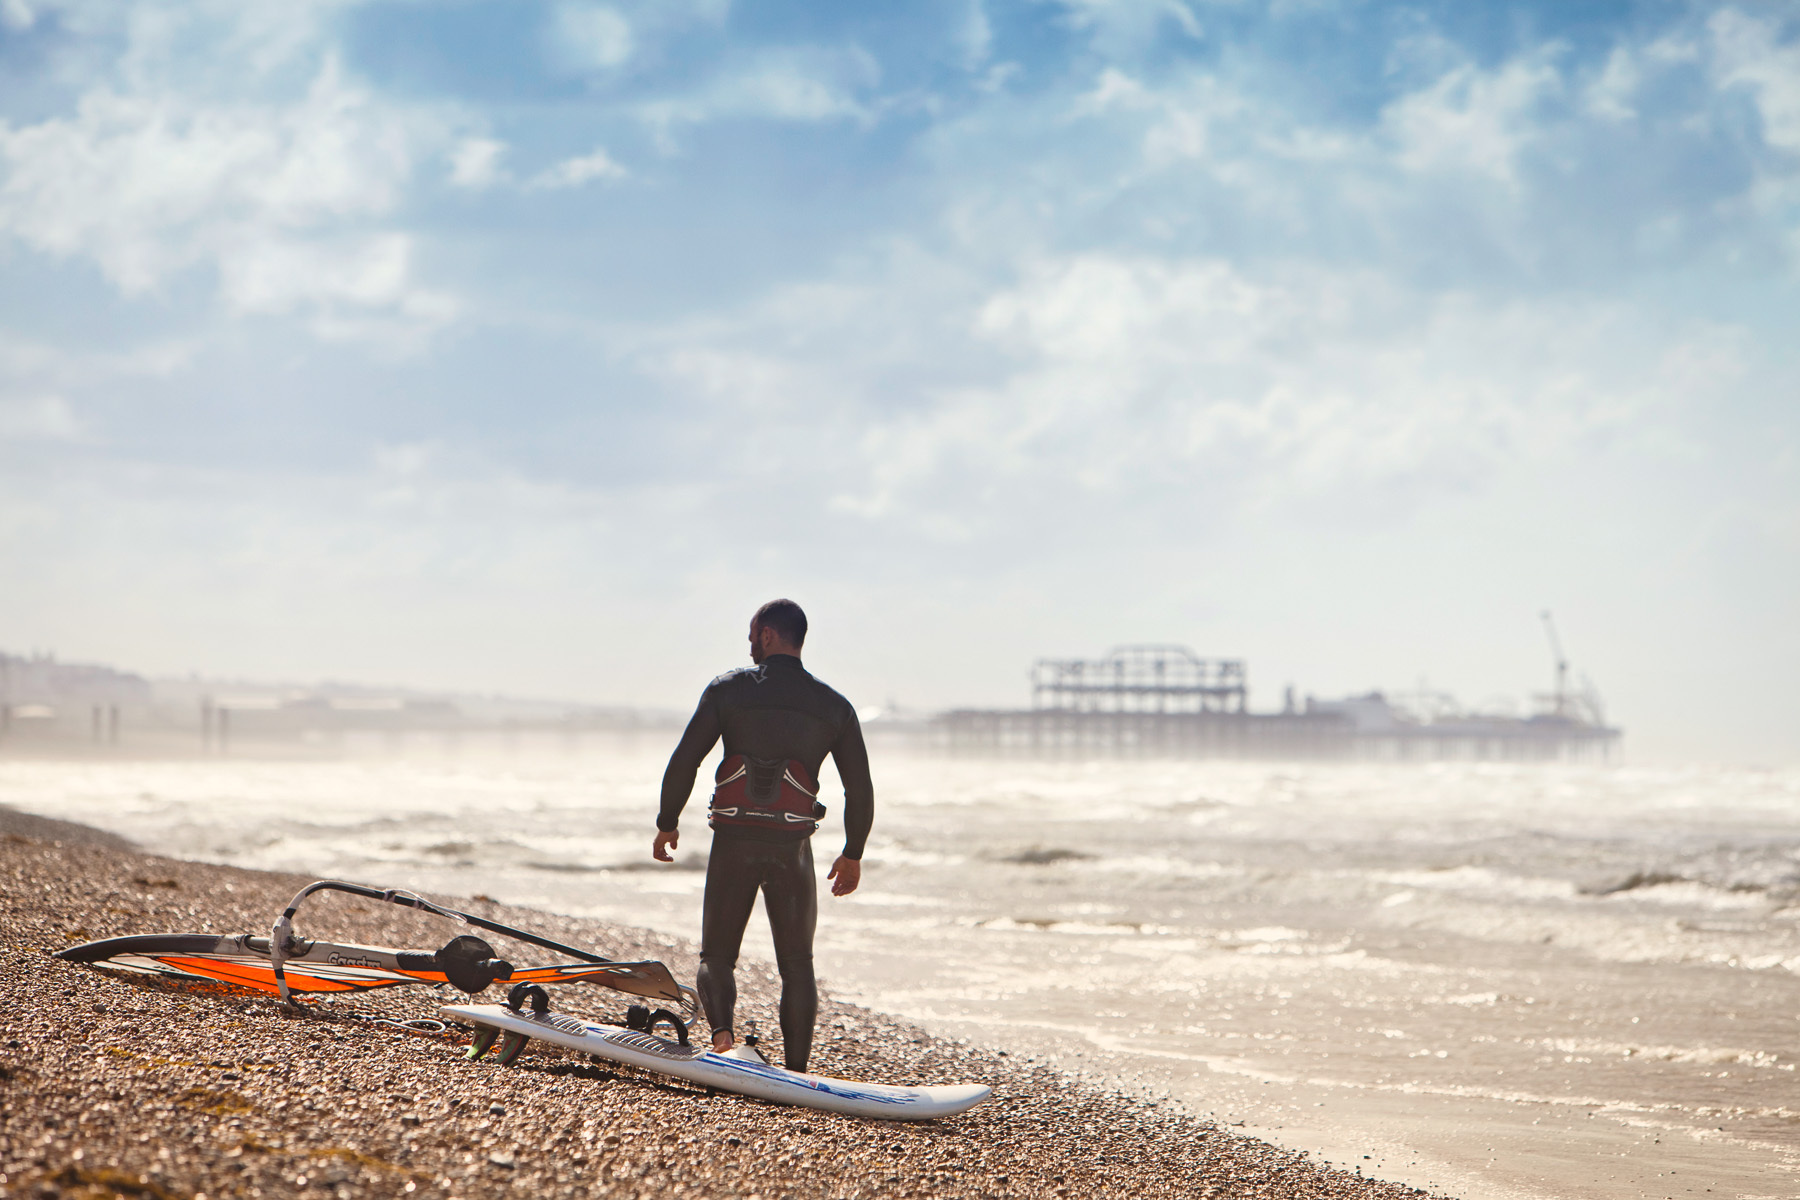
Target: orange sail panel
{"type": "Point", "coordinates": [322, 967]}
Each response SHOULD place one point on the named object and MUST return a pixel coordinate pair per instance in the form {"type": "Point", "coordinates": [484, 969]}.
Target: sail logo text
{"type": "Point", "coordinates": [350, 960]}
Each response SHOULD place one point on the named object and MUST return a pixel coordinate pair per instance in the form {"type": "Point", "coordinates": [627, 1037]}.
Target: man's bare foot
{"type": "Point", "coordinates": [723, 1041]}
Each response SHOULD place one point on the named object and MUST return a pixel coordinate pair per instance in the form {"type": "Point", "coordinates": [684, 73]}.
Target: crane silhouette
{"type": "Point", "coordinates": [1560, 698]}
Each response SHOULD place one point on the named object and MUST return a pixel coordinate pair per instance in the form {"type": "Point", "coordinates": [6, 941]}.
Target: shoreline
{"type": "Point", "coordinates": [116, 1087]}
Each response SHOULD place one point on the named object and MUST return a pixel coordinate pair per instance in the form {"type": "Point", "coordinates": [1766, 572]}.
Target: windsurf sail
{"type": "Point", "coordinates": [245, 962]}
{"type": "Point", "coordinates": [285, 964]}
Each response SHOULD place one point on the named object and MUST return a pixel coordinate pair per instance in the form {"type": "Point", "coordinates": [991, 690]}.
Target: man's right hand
{"type": "Point", "coordinates": [666, 840]}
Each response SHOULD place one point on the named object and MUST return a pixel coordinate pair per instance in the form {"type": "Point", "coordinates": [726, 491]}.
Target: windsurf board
{"type": "Point", "coordinates": [730, 1073]}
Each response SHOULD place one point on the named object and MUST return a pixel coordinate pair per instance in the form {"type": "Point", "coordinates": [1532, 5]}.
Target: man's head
{"type": "Point", "coordinates": [779, 627]}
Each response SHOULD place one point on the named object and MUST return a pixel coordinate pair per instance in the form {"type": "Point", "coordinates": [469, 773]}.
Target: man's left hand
{"type": "Point", "coordinates": [845, 874]}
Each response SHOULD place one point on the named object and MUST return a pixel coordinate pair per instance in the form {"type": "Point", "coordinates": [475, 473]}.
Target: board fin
{"type": "Point", "coordinates": [484, 1041]}
{"type": "Point", "coordinates": [511, 1046]}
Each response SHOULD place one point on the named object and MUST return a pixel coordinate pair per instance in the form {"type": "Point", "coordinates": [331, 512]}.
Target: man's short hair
{"type": "Point", "coordinates": [785, 618]}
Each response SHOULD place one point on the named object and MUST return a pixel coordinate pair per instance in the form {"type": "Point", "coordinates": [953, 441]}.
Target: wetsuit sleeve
{"type": "Point", "coordinates": [852, 759]}
{"type": "Point", "coordinates": [697, 741]}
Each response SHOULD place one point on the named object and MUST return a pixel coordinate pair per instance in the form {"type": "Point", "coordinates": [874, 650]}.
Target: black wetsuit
{"type": "Point", "coordinates": [773, 710]}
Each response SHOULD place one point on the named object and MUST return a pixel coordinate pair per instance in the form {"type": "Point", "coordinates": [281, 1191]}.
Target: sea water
{"type": "Point", "coordinates": [1498, 980]}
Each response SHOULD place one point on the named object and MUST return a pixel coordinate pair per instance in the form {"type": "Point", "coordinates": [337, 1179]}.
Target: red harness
{"type": "Point", "coordinates": [765, 792]}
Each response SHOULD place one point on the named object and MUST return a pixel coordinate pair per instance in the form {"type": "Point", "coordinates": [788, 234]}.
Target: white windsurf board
{"type": "Point", "coordinates": [727, 1072]}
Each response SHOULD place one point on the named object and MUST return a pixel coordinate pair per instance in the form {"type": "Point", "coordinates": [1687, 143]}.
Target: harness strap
{"type": "Point", "coordinates": [765, 792]}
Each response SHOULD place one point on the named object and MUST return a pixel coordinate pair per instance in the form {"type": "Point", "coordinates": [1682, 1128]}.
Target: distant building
{"type": "Point", "coordinates": [1367, 714]}
{"type": "Point", "coordinates": [40, 681]}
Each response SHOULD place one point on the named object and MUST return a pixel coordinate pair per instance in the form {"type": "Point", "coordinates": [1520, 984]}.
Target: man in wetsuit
{"type": "Point", "coordinates": [777, 717]}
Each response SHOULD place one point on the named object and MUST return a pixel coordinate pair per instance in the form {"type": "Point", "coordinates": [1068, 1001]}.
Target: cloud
{"type": "Point", "coordinates": [582, 169]}
{"type": "Point", "coordinates": [1748, 54]}
{"type": "Point", "coordinates": [37, 380]}
{"type": "Point", "coordinates": [973, 35]}
{"type": "Point", "coordinates": [806, 85]}
{"type": "Point", "coordinates": [1177, 122]}
{"type": "Point", "coordinates": [1471, 120]}
{"type": "Point", "coordinates": [1544, 166]}
{"type": "Point", "coordinates": [333, 279]}
{"type": "Point", "coordinates": [1170, 395]}
{"type": "Point", "coordinates": [475, 163]}
{"type": "Point", "coordinates": [584, 37]}
{"type": "Point", "coordinates": [38, 418]}
{"type": "Point", "coordinates": [1612, 95]}
{"type": "Point", "coordinates": [1125, 27]}
{"type": "Point", "coordinates": [151, 183]}
{"type": "Point", "coordinates": [1302, 386]}
{"type": "Point", "coordinates": [30, 364]}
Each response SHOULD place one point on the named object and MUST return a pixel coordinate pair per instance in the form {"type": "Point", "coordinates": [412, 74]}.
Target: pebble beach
{"type": "Point", "coordinates": [115, 1087]}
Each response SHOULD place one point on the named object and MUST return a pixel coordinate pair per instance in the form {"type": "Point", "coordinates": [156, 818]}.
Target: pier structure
{"type": "Point", "coordinates": [1140, 679]}
{"type": "Point", "coordinates": [1165, 701]}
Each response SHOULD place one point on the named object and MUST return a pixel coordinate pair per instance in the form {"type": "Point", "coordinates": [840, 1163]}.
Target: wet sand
{"type": "Point", "coordinates": [118, 1088]}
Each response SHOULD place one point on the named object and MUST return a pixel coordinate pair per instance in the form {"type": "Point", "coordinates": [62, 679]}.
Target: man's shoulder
{"type": "Point", "coordinates": [832, 696]}
{"type": "Point", "coordinates": [738, 675]}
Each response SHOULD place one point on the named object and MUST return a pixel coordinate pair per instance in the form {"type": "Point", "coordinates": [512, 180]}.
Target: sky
{"type": "Point", "coordinates": [500, 345]}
